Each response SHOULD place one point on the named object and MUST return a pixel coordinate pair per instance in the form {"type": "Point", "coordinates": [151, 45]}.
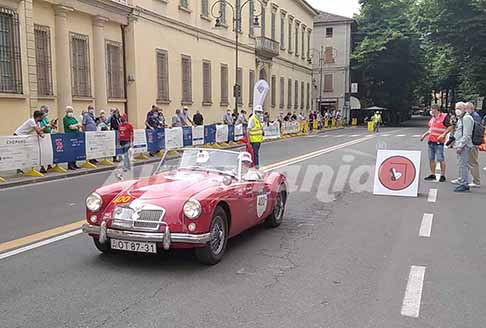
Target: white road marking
{"type": "Point", "coordinates": [401, 135]}
{"type": "Point", "coordinates": [356, 135]}
{"type": "Point", "coordinates": [417, 135]}
{"type": "Point", "coordinates": [385, 135]}
{"type": "Point", "coordinates": [39, 244]}
{"type": "Point", "coordinates": [339, 136]}
{"type": "Point", "coordinates": [432, 198]}
{"type": "Point", "coordinates": [413, 293]}
{"type": "Point", "coordinates": [426, 226]}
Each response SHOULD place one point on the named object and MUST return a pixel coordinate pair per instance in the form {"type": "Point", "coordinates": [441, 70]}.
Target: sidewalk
{"type": "Point", "coordinates": [15, 180]}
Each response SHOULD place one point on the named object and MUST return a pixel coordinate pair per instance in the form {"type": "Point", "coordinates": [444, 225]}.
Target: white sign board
{"type": "Point", "coordinates": [397, 173]}
{"type": "Point", "coordinates": [18, 152]}
{"type": "Point", "coordinates": [479, 103]}
{"type": "Point", "coordinates": [238, 132]}
{"type": "Point", "coordinates": [272, 131]}
{"type": "Point", "coordinates": [173, 138]}
{"type": "Point", "coordinates": [354, 87]}
{"type": "Point", "coordinates": [221, 133]}
{"type": "Point", "coordinates": [44, 154]}
{"type": "Point", "coordinates": [198, 135]}
{"type": "Point", "coordinates": [139, 141]}
{"type": "Point", "coordinates": [100, 144]}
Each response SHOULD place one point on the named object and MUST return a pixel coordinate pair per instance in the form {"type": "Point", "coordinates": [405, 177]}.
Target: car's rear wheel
{"type": "Point", "coordinates": [275, 219]}
{"type": "Point", "coordinates": [213, 252]}
{"type": "Point", "coordinates": [102, 247]}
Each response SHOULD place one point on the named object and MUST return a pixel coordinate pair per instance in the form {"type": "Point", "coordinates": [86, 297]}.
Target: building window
{"type": "Point", "coordinates": [329, 55]}
{"type": "Point", "coordinates": [81, 86]}
{"type": "Point", "coordinates": [309, 44]}
{"type": "Point", "coordinates": [224, 85]}
{"type": "Point", "coordinates": [297, 40]}
{"type": "Point", "coordinates": [302, 98]}
{"type": "Point", "coordinates": [273, 91]}
{"type": "Point", "coordinates": [10, 64]}
{"type": "Point", "coordinates": [251, 15]}
{"type": "Point", "coordinates": [282, 32]}
{"type": "Point", "coordinates": [239, 80]}
{"type": "Point", "coordinates": [282, 92]}
{"type": "Point", "coordinates": [114, 71]}
{"type": "Point", "coordinates": [184, 3]}
{"type": "Point", "coordinates": [251, 86]}
{"type": "Point", "coordinates": [329, 32]}
{"type": "Point", "coordinates": [307, 106]}
{"type": "Point", "coordinates": [186, 80]}
{"type": "Point", "coordinates": [43, 60]}
{"type": "Point", "coordinates": [296, 100]}
{"type": "Point", "coordinates": [274, 28]}
{"type": "Point", "coordinates": [328, 83]}
{"type": "Point", "coordinates": [205, 8]}
{"type": "Point", "coordinates": [303, 43]}
{"type": "Point", "coordinates": [207, 86]}
{"type": "Point", "coordinates": [290, 36]}
{"type": "Point", "coordinates": [222, 12]}
{"type": "Point", "coordinates": [162, 58]}
{"type": "Point", "coordinates": [263, 20]}
{"type": "Point", "coordinates": [289, 94]}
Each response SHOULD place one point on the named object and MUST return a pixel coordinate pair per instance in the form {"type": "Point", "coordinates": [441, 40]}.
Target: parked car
{"type": "Point", "coordinates": [198, 200]}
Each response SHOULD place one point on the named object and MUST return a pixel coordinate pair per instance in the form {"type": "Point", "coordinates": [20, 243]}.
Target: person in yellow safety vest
{"type": "Point", "coordinates": [255, 133]}
{"type": "Point", "coordinates": [377, 120]}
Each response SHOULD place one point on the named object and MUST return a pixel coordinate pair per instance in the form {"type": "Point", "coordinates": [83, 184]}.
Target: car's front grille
{"type": "Point", "coordinates": [149, 219]}
{"type": "Point", "coordinates": [145, 217]}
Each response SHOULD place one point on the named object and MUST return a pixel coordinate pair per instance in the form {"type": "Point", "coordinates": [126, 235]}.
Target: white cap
{"type": "Point", "coordinates": [258, 108]}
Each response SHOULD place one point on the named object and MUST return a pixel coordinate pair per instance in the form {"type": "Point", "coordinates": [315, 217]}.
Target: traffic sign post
{"type": "Point", "coordinates": [397, 173]}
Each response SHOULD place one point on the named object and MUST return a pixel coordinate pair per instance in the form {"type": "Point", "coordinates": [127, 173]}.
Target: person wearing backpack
{"type": "Point", "coordinates": [477, 140]}
{"type": "Point", "coordinates": [463, 144]}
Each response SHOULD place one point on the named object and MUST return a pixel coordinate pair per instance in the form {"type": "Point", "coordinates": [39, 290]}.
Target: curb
{"type": "Point", "coordinates": [61, 176]}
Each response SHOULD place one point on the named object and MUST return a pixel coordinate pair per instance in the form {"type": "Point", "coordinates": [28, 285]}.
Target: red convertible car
{"type": "Point", "coordinates": [197, 200]}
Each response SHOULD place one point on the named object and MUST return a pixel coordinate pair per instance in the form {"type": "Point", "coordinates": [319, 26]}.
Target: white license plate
{"type": "Point", "coordinates": [134, 246]}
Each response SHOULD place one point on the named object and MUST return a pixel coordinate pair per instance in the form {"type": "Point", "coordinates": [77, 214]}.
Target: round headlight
{"type": "Point", "coordinates": [94, 202]}
{"type": "Point", "coordinates": [192, 209]}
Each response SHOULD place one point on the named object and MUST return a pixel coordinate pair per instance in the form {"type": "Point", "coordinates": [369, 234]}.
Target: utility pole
{"type": "Point", "coordinates": [321, 59]}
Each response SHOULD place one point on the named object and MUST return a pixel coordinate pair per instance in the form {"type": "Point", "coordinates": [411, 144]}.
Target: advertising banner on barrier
{"type": "Point", "coordinates": [45, 153]}
{"type": "Point", "coordinates": [68, 147]}
{"type": "Point", "coordinates": [187, 136]}
{"type": "Point", "coordinates": [221, 133]}
{"type": "Point", "coordinates": [173, 138]}
{"type": "Point", "coordinates": [155, 140]}
{"type": "Point", "coordinates": [238, 132]}
{"type": "Point", "coordinates": [139, 141]}
{"type": "Point", "coordinates": [100, 144]}
{"type": "Point", "coordinates": [198, 135]}
{"type": "Point", "coordinates": [272, 131]}
{"type": "Point", "coordinates": [18, 152]}
{"type": "Point", "coordinates": [210, 134]}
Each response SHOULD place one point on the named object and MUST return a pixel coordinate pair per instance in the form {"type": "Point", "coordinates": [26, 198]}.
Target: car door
{"type": "Point", "coordinates": [257, 198]}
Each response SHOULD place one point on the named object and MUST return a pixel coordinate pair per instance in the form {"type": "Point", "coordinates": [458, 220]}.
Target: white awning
{"type": "Point", "coordinates": [354, 102]}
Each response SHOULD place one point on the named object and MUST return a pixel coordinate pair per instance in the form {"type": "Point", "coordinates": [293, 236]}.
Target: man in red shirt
{"type": "Point", "coordinates": [125, 135]}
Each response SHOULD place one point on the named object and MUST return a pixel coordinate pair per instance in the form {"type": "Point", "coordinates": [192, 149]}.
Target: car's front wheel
{"type": "Point", "coordinates": [102, 247]}
{"type": "Point", "coordinates": [275, 219]}
{"type": "Point", "coordinates": [213, 252]}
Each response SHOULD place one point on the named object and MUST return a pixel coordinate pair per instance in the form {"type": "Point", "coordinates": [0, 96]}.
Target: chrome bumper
{"type": "Point", "coordinates": [166, 237]}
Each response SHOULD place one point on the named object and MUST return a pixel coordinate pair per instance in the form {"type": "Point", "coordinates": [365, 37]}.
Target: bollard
{"type": "Point", "coordinates": [142, 157]}
{"type": "Point", "coordinates": [354, 122]}
{"type": "Point", "coordinates": [2, 180]}
{"type": "Point", "coordinates": [333, 123]}
{"type": "Point", "coordinates": [326, 123]}
{"type": "Point", "coordinates": [370, 126]}
{"type": "Point", "coordinates": [314, 125]}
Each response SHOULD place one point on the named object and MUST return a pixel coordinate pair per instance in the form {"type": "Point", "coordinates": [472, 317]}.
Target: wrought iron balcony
{"type": "Point", "coordinates": [266, 47]}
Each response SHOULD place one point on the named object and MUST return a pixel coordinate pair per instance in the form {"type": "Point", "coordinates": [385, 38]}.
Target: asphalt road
{"type": "Point", "coordinates": [342, 258]}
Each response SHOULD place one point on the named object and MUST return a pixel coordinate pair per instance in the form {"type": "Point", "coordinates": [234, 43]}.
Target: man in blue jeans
{"type": "Point", "coordinates": [463, 145]}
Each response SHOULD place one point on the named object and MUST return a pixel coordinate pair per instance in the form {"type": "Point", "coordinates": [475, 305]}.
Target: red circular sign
{"type": "Point", "coordinates": [397, 173]}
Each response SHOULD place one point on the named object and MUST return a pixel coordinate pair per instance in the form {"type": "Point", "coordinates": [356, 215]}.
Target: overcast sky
{"type": "Point", "coordinates": [339, 7]}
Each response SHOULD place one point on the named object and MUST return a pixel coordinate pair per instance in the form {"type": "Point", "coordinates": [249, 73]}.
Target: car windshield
{"type": "Point", "coordinates": [221, 161]}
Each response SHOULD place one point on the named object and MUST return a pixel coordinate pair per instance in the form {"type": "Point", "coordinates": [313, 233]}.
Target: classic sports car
{"type": "Point", "coordinates": [197, 200]}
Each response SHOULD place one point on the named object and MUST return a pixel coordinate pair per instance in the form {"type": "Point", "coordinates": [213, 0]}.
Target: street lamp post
{"type": "Point", "coordinates": [321, 60]}
{"type": "Point", "coordinates": [237, 20]}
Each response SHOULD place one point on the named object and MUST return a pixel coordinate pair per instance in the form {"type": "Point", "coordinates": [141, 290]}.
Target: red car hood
{"type": "Point", "coordinates": [179, 185]}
